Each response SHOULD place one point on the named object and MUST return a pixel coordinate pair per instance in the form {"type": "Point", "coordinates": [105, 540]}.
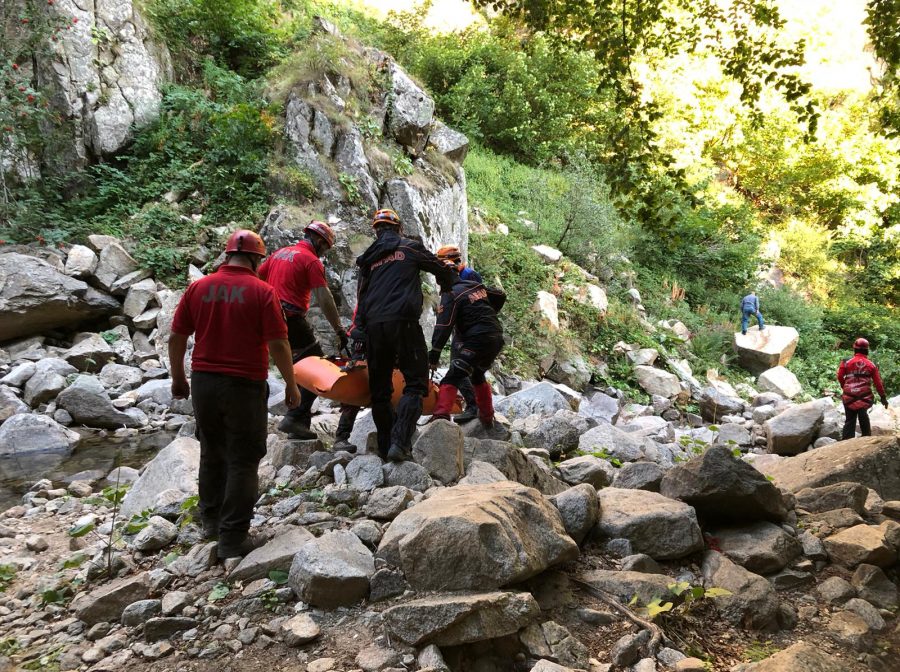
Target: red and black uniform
{"type": "Point", "coordinates": [856, 376]}
{"type": "Point", "coordinates": [232, 315]}
{"type": "Point", "coordinates": [388, 308]}
{"type": "Point", "coordinates": [469, 312]}
{"type": "Point", "coordinates": [294, 272]}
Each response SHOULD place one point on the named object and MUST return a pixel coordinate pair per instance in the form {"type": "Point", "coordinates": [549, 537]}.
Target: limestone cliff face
{"type": "Point", "coordinates": [105, 73]}
{"type": "Point", "coordinates": [366, 147]}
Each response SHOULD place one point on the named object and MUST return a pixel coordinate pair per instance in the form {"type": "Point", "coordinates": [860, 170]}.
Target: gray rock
{"type": "Point", "coordinates": [835, 496]}
{"type": "Point", "coordinates": [165, 626]}
{"type": "Point", "coordinates": [174, 602]}
{"type": "Point", "coordinates": [364, 472]}
{"type": "Point", "coordinates": [867, 612]}
{"type": "Point", "coordinates": [107, 602]}
{"type": "Point", "coordinates": [114, 263]}
{"type": "Point", "coordinates": [408, 474]}
{"type": "Point", "coordinates": [849, 630]}
{"type": "Point", "coordinates": [601, 408]}
{"type": "Point", "coordinates": [139, 297]}
{"type": "Point", "coordinates": [860, 544]}
{"type": "Point", "coordinates": [513, 464]}
{"type": "Point", "coordinates": [543, 399]}
{"type": "Point", "coordinates": [350, 159]}
{"type": "Point", "coordinates": [558, 433]}
{"type": "Point", "coordinates": [35, 298]}
{"type": "Point", "coordinates": [10, 404]}
{"type": "Point", "coordinates": [752, 604]}
{"type": "Point", "coordinates": [611, 442]}
{"type": "Point", "coordinates": [375, 658]}
{"type": "Point", "coordinates": [175, 467]}
{"type": "Point", "coordinates": [26, 433]}
{"type": "Point", "coordinates": [552, 640]}
{"type": "Point", "coordinates": [624, 585]}
{"type": "Point", "coordinates": [762, 547]}
{"type": "Point", "coordinates": [439, 449]}
{"type": "Point", "coordinates": [49, 379]}
{"type": "Point", "coordinates": [733, 434]}
{"type": "Point", "coordinates": [88, 404]}
{"type": "Point", "coordinates": [477, 537]}
{"type": "Point", "coordinates": [387, 583]}
{"type": "Point", "coordinates": [639, 476]}
{"type": "Point", "coordinates": [388, 503]}
{"type": "Point", "coordinates": [81, 261]}
{"type": "Point", "coordinates": [411, 110]}
{"type": "Point", "coordinates": [759, 351]}
{"type": "Point", "coordinates": [579, 509]}
{"type": "Point", "coordinates": [639, 562]}
{"type": "Point", "coordinates": [119, 378]}
{"type": "Point", "coordinates": [835, 590]}
{"type": "Point", "coordinates": [722, 487]}
{"type": "Point", "coordinates": [874, 586]}
{"type": "Point", "coordinates": [629, 648]}
{"type": "Point", "coordinates": [799, 657]}
{"type": "Point", "coordinates": [657, 381]}
{"type": "Point", "coordinates": [479, 473]}
{"type": "Point", "coordinates": [332, 570]}
{"type": "Point", "coordinates": [368, 531]}
{"type": "Point", "coordinates": [200, 558]}
{"type": "Point", "coordinates": [137, 613]}
{"type": "Point", "coordinates": [90, 353]}
{"type": "Point", "coordinates": [19, 374]}
{"type": "Point", "coordinates": [656, 525]}
{"type": "Point", "coordinates": [158, 534]}
{"type": "Point", "coordinates": [454, 619]}
{"type": "Point", "coordinates": [793, 430]}
{"type": "Point", "coordinates": [276, 554]}
{"type": "Point", "coordinates": [586, 469]}
{"type": "Point", "coordinates": [452, 144]}
{"type": "Point", "coordinates": [121, 286]}
{"type": "Point", "coordinates": [813, 548]}
{"type": "Point", "coordinates": [714, 405]}
{"type": "Point", "coordinates": [300, 629]}
{"type": "Point", "coordinates": [781, 381]}
{"type": "Point", "coordinates": [790, 579]}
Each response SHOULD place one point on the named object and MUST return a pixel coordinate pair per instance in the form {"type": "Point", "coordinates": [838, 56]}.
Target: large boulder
{"type": "Point", "coordinates": [35, 297]}
{"type": "Point", "coordinates": [781, 381]}
{"type": "Point", "coordinates": [627, 584]}
{"type": "Point", "coordinates": [864, 544]}
{"type": "Point", "coordinates": [276, 554]}
{"type": "Point", "coordinates": [611, 442]}
{"type": "Point", "coordinates": [579, 509]}
{"type": "Point", "coordinates": [461, 618]}
{"type": "Point", "coordinates": [660, 527]}
{"type": "Point", "coordinates": [793, 430]}
{"type": "Point", "coordinates": [514, 464]}
{"type": "Point", "coordinates": [175, 467]}
{"type": "Point", "coordinates": [586, 469]}
{"type": "Point", "coordinates": [558, 433]}
{"type": "Point", "coordinates": [90, 353]}
{"type": "Point", "coordinates": [752, 604]}
{"type": "Point", "coordinates": [107, 602]}
{"type": "Point", "coordinates": [48, 380]}
{"type": "Point", "coordinates": [477, 537]}
{"type": "Point", "coordinates": [799, 657]}
{"type": "Point", "coordinates": [25, 433]}
{"type": "Point", "coordinates": [831, 497]}
{"type": "Point", "coordinates": [722, 487]}
{"type": "Point", "coordinates": [332, 570]}
{"type": "Point", "coordinates": [870, 461]}
{"type": "Point", "coordinates": [714, 405]}
{"type": "Point", "coordinates": [542, 398]}
{"type": "Point", "coordinates": [10, 404]}
{"type": "Point", "coordinates": [439, 449]}
{"type": "Point", "coordinates": [759, 351]}
{"type": "Point", "coordinates": [657, 381]}
{"type": "Point", "coordinates": [88, 404]}
{"type": "Point", "coordinates": [600, 407]}
{"type": "Point", "coordinates": [411, 110]}
{"type": "Point", "coordinates": [762, 548]}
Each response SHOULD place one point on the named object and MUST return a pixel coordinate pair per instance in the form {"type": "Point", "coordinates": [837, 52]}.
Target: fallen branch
{"type": "Point", "coordinates": [656, 633]}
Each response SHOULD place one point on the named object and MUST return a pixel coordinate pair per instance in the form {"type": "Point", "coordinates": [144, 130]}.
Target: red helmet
{"type": "Point", "coordinates": [449, 252]}
{"type": "Point", "coordinates": [322, 229]}
{"type": "Point", "coordinates": [245, 242]}
{"type": "Point", "coordinates": [861, 344]}
{"type": "Point", "coordinates": [386, 216]}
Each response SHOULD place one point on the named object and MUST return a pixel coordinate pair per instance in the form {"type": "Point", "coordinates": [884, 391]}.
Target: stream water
{"type": "Point", "coordinates": [93, 453]}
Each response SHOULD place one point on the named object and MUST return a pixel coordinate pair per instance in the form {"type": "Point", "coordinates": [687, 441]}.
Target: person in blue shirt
{"type": "Point", "coordinates": [452, 254]}
{"type": "Point", "coordinates": [750, 308]}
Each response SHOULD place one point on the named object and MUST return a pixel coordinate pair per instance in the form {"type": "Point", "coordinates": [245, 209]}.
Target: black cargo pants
{"type": "Point", "coordinates": [303, 344]}
{"type": "Point", "coordinates": [231, 414]}
{"type": "Point", "coordinates": [400, 344]}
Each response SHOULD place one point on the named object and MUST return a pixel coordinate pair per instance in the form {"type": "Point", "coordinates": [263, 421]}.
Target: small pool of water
{"type": "Point", "coordinates": [19, 472]}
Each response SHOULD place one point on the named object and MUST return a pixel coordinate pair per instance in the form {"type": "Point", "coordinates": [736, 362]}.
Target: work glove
{"type": "Point", "coordinates": [343, 339]}
{"type": "Point", "coordinates": [434, 358]}
{"type": "Point", "coordinates": [884, 401]}
{"type": "Point", "coordinates": [357, 355]}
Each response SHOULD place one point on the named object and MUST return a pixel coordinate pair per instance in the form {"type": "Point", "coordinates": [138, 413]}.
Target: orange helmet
{"type": "Point", "coordinates": [322, 229]}
{"type": "Point", "coordinates": [386, 216]}
{"type": "Point", "coordinates": [449, 253]}
{"type": "Point", "coordinates": [861, 344]}
{"type": "Point", "coordinates": [245, 242]}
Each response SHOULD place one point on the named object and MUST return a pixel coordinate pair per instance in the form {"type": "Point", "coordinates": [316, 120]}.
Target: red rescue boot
{"type": "Point", "coordinates": [445, 401]}
{"type": "Point", "coordinates": [484, 397]}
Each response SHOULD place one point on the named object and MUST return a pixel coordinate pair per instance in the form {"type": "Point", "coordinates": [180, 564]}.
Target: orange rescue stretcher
{"type": "Point", "coordinates": [324, 377]}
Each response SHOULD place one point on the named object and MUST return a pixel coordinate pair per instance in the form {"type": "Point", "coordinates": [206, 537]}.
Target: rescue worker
{"type": "Point", "coordinates": [388, 309]}
{"type": "Point", "coordinates": [469, 312]}
{"type": "Point", "coordinates": [451, 255]}
{"type": "Point", "coordinates": [750, 308]}
{"type": "Point", "coordinates": [856, 376]}
{"type": "Point", "coordinates": [296, 272]}
{"type": "Point", "coordinates": [237, 321]}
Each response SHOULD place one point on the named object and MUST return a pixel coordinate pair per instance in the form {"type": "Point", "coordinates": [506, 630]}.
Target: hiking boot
{"type": "Point", "coordinates": [249, 544]}
{"type": "Point", "coordinates": [743, 333]}
{"type": "Point", "coordinates": [210, 528]}
{"type": "Point", "coordinates": [295, 429]}
{"type": "Point", "coordinates": [467, 415]}
{"type": "Point", "coordinates": [343, 444]}
{"type": "Point", "coordinates": [399, 454]}
{"type": "Point", "coordinates": [495, 431]}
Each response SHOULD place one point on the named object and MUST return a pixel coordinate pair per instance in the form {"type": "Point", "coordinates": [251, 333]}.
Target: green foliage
{"type": "Point", "coordinates": [278, 576]}
{"type": "Point", "coordinates": [402, 165]}
{"type": "Point", "coordinates": [683, 596]}
{"type": "Point", "coordinates": [77, 531]}
{"type": "Point", "coordinates": [758, 651]}
{"type": "Point", "coordinates": [219, 592]}
{"type": "Point", "coordinates": [114, 494]}
{"type": "Point", "coordinates": [7, 576]}
{"type": "Point", "coordinates": [351, 188]}
{"type": "Point", "coordinates": [137, 522]}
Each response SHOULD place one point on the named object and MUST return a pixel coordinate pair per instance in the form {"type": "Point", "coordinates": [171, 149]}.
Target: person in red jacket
{"type": "Point", "coordinates": [237, 321]}
{"type": "Point", "coordinates": [296, 272]}
{"type": "Point", "coordinates": [856, 376]}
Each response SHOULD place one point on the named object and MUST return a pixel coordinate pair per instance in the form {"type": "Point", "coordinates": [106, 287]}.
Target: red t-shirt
{"type": "Point", "coordinates": [233, 314]}
{"type": "Point", "coordinates": [294, 271]}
